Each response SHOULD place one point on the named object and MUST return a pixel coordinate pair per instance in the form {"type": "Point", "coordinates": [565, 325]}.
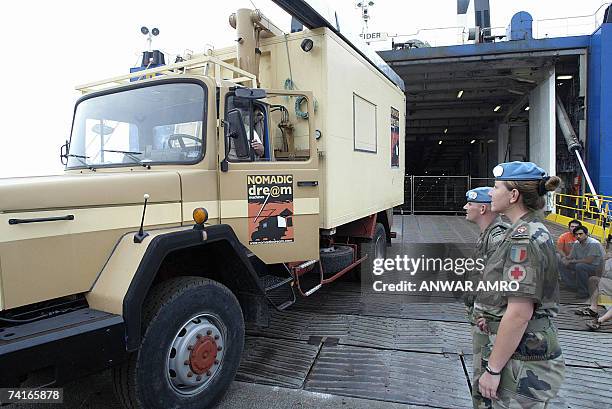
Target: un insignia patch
{"type": "Point", "coordinates": [518, 254]}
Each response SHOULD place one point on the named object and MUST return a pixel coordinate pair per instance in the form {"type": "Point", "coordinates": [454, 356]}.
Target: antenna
{"type": "Point", "coordinates": [140, 236]}
{"type": "Point", "coordinates": [365, 16]}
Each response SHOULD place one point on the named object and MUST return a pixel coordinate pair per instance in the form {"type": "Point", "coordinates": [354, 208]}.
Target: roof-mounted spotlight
{"type": "Point", "coordinates": [144, 30]}
{"type": "Point", "coordinates": [306, 45]}
{"type": "Point", "coordinates": [155, 31]}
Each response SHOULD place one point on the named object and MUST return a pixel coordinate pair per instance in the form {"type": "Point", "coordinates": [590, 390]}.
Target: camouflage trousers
{"type": "Point", "coordinates": [523, 384]}
{"type": "Point", "coordinates": [479, 342]}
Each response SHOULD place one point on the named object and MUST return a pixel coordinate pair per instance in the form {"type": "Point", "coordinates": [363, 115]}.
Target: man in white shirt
{"type": "Point", "coordinates": [585, 260]}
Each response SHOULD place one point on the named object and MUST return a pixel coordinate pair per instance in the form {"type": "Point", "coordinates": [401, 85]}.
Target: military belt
{"type": "Point", "coordinates": [535, 325]}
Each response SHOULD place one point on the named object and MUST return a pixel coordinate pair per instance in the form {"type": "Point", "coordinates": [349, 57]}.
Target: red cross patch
{"type": "Point", "coordinates": [517, 273]}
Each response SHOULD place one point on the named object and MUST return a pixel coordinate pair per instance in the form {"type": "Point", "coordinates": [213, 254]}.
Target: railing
{"type": "Point", "coordinates": [438, 193]}
{"type": "Point", "coordinates": [596, 217]}
{"type": "Point", "coordinates": [542, 28]}
{"type": "Point", "coordinates": [199, 65]}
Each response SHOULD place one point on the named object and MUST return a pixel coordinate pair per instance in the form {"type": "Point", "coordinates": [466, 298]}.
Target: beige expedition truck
{"type": "Point", "coordinates": [195, 194]}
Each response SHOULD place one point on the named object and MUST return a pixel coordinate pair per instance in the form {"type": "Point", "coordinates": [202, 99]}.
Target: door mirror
{"type": "Point", "coordinates": [64, 153]}
{"type": "Point", "coordinates": [250, 93]}
{"type": "Point", "coordinates": [236, 134]}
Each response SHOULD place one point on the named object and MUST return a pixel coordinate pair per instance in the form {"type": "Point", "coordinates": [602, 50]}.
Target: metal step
{"type": "Point", "coordinates": [278, 290]}
{"type": "Point", "coordinates": [270, 282]}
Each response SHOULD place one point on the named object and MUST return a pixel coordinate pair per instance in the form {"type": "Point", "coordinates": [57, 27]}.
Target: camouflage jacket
{"type": "Point", "coordinates": [524, 265]}
{"type": "Point", "coordinates": [487, 242]}
{"type": "Point", "coordinates": [490, 238]}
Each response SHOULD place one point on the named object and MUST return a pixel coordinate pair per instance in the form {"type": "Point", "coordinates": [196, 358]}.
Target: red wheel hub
{"type": "Point", "coordinates": [203, 355]}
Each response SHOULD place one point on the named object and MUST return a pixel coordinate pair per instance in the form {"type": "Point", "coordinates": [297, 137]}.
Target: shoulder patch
{"type": "Point", "coordinates": [541, 235]}
{"type": "Point", "coordinates": [518, 253]}
{"type": "Point", "coordinates": [520, 232]}
{"type": "Point", "coordinates": [517, 273]}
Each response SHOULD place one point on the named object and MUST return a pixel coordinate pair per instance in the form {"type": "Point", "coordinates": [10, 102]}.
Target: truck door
{"type": "Point", "coordinates": [270, 194]}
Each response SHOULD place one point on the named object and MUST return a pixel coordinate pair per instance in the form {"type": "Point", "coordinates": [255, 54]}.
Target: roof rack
{"type": "Point", "coordinates": [200, 65]}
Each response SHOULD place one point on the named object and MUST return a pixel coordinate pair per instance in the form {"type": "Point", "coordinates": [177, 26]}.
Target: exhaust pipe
{"type": "Point", "coordinates": [251, 25]}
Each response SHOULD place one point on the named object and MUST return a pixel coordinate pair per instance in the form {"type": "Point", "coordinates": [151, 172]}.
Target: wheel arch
{"type": "Point", "coordinates": [214, 253]}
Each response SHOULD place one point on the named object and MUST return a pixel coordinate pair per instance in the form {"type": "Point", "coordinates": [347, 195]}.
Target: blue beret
{"type": "Point", "coordinates": [518, 171]}
{"type": "Point", "coordinates": [479, 195]}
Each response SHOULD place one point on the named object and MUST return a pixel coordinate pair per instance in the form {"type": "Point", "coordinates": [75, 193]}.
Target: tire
{"type": "Point", "coordinates": [375, 248]}
{"type": "Point", "coordinates": [175, 313]}
{"type": "Point", "coordinates": [336, 260]}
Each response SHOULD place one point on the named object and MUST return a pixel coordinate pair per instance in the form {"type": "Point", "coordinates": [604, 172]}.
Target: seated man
{"type": "Point", "coordinates": [585, 260]}
{"type": "Point", "coordinates": [601, 294]}
{"type": "Point", "coordinates": [566, 240]}
{"type": "Point", "coordinates": [258, 128]}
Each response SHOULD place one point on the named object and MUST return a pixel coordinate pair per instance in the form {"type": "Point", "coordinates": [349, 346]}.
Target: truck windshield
{"type": "Point", "coordinates": [155, 124]}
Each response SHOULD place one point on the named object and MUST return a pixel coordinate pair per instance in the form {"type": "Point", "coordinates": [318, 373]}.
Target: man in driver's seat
{"type": "Point", "coordinates": [258, 129]}
{"type": "Point", "coordinates": [256, 144]}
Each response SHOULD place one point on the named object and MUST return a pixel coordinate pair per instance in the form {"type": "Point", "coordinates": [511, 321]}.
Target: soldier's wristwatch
{"type": "Point", "coordinates": [491, 371]}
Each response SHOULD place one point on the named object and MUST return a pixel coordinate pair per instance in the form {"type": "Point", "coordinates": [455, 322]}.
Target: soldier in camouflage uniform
{"type": "Point", "coordinates": [492, 230]}
{"type": "Point", "coordinates": [524, 365]}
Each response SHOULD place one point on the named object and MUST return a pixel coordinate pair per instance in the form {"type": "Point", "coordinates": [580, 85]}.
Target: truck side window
{"type": "Point", "coordinates": [289, 130]}
{"type": "Point", "coordinates": [258, 148]}
{"type": "Point", "coordinates": [280, 132]}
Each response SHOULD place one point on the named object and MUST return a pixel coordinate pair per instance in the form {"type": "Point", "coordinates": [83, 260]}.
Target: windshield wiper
{"type": "Point", "coordinates": [80, 158]}
{"type": "Point", "coordinates": [129, 154]}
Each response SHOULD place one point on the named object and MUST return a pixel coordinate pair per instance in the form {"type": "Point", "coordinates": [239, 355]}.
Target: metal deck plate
{"type": "Point", "coordinates": [374, 332]}
{"type": "Point", "coordinates": [396, 376]}
{"type": "Point", "coordinates": [589, 349]}
{"type": "Point", "coordinates": [585, 388]}
{"type": "Point", "coordinates": [276, 362]}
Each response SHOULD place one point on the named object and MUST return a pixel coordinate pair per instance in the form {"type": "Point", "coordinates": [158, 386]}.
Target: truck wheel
{"type": "Point", "coordinates": [375, 248]}
{"type": "Point", "coordinates": [336, 258]}
{"type": "Point", "coordinates": [193, 335]}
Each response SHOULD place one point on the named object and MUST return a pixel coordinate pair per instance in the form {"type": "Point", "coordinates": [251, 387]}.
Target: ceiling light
{"type": "Point", "coordinates": [445, 130]}
{"type": "Point", "coordinates": [497, 108]}
{"type": "Point", "coordinates": [524, 80]}
{"type": "Point", "coordinates": [515, 92]}
{"type": "Point", "coordinates": [439, 142]}
{"type": "Point", "coordinates": [459, 94]}
{"type": "Point", "coordinates": [565, 77]}
{"type": "Point", "coordinates": [560, 84]}
{"type": "Point", "coordinates": [473, 140]}
{"type": "Point", "coordinates": [527, 108]}
{"type": "Point", "coordinates": [490, 141]}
